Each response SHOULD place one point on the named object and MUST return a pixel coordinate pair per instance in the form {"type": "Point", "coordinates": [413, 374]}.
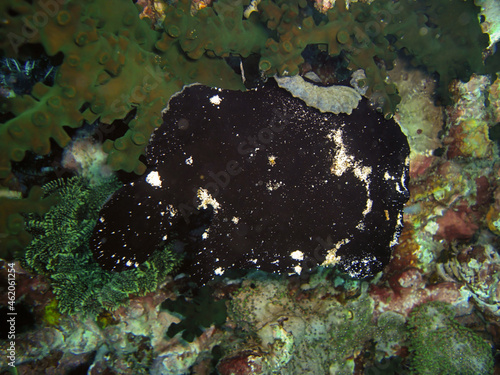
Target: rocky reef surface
{"type": "Point", "coordinates": [433, 309]}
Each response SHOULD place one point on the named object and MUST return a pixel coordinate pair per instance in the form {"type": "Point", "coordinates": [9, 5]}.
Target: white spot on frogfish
{"type": "Point", "coordinates": [154, 179]}
{"type": "Point", "coordinates": [216, 100]}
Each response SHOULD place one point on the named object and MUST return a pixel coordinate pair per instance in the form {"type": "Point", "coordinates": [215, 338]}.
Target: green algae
{"type": "Point", "coordinates": [441, 345]}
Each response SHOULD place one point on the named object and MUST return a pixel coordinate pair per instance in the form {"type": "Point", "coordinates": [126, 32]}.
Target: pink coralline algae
{"type": "Point", "coordinates": [420, 165]}
{"type": "Point", "coordinates": [408, 289]}
{"type": "Point", "coordinates": [457, 223]}
{"type": "Point", "coordinates": [245, 363]}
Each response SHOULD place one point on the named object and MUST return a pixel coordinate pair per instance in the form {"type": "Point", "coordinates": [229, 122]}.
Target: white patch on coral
{"type": "Point", "coordinates": [273, 185]}
{"type": "Point", "coordinates": [205, 234]}
{"type": "Point", "coordinates": [368, 208]}
{"type": "Point", "coordinates": [343, 162]}
{"type": "Point", "coordinates": [172, 210]}
{"type": "Point", "coordinates": [189, 160]}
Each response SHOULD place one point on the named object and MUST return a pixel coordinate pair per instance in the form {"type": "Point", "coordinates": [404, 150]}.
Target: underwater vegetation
{"type": "Point", "coordinates": [60, 250]}
{"type": "Point", "coordinates": [442, 346]}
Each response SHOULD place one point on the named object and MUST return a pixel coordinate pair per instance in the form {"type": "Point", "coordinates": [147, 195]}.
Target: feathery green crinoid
{"type": "Point", "coordinates": [60, 251]}
{"type": "Point", "coordinates": [441, 345]}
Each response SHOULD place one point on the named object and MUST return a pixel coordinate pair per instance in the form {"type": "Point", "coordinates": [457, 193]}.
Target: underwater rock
{"type": "Point", "coordinates": [457, 223]}
{"type": "Point", "coordinates": [407, 289]}
{"type": "Point", "coordinates": [441, 345]}
{"type": "Point", "coordinates": [422, 128]}
{"type": "Point", "coordinates": [335, 99]}
{"type": "Point", "coordinates": [315, 331]}
{"type": "Point", "coordinates": [477, 268]}
{"type": "Point", "coordinates": [259, 180]}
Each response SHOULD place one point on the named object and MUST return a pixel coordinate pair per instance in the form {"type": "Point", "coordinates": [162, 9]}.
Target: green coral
{"type": "Point", "coordinates": [389, 366]}
{"type": "Point", "coordinates": [444, 36]}
{"type": "Point", "coordinates": [13, 235]}
{"type": "Point", "coordinates": [60, 251]}
{"type": "Point", "coordinates": [279, 32]}
{"type": "Point", "coordinates": [114, 61]}
{"type": "Point", "coordinates": [441, 345]}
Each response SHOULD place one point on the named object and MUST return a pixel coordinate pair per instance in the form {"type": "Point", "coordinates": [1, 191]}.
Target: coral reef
{"type": "Point", "coordinates": [71, 65]}
{"type": "Point", "coordinates": [292, 340]}
{"type": "Point", "coordinates": [478, 268]}
{"type": "Point", "coordinates": [408, 288]}
{"type": "Point", "coordinates": [441, 344]}
{"type": "Point", "coordinates": [490, 9]}
{"type": "Point", "coordinates": [112, 61]}
{"type": "Point", "coordinates": [87, 158]}
{"type": "Point", "coordinates": [198, 314]}
{"type": "Point", "coordinates": [325, 323]}
{"type": "Point", "coordinates": [458, 34]}
{"type": "Point", "coordinates": [335, 99]}
{"type": "Point", "coordinates": [422, 128]}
